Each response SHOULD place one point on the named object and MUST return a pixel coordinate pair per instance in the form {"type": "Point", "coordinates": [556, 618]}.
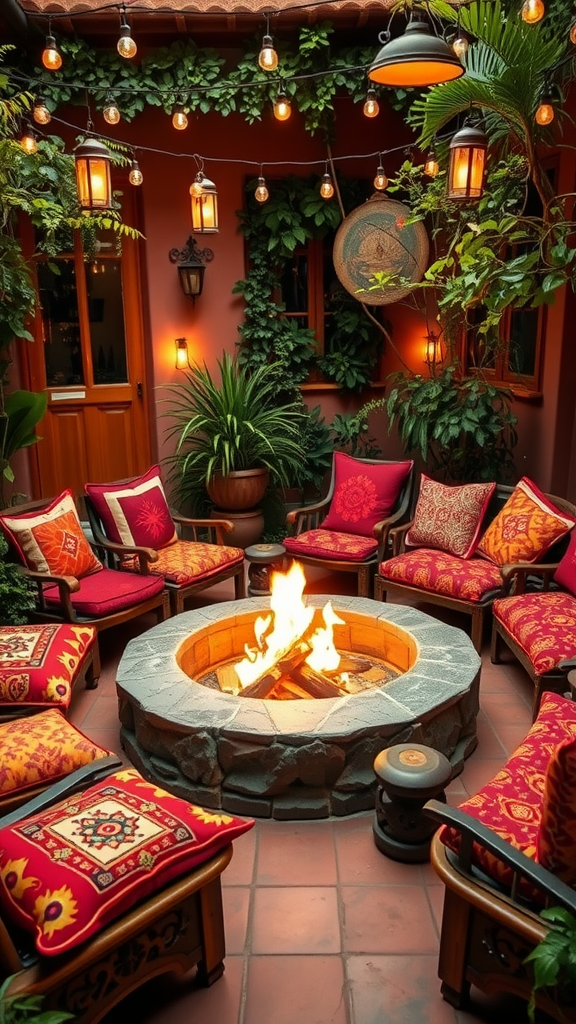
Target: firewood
{"type": "Point", "coordinates": [349, 663]}
{"type": "Point", "coordinates": [293, 656]}
{"type": "Point", "coordinates": [315, 683]}
{"type": "Point", "coordinates": [261, 687]}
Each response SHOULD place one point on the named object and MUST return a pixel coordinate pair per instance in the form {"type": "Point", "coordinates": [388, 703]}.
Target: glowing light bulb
{"type": "Point", "coordinates": [545, 113]}
{"type": "Point", "coordinates": [371, 105]}
{"type": "Point", "coordinates": [40, 111]}
{"type": "Point", "coordinates": [51, 56]}
{"type": "Point", "coordinates": [196, 189]}
{"type": "Point", "coordinates": [111, 112]}
{"type": "Point", "coordinates": [326, 188]}
{"type": "Point", "coordinates": [126, 46]}
{"type": "Point", "coordinates": [533, 11]}
{"type": "Point", "coordinates": [573, 33]}
{"type": "Point", "coordinates": [29, 142]}
{"type": "Point", "coordinates": [460, 45]}
{"type": "Point", "coordinates": [179, 119]}
{"type": "Point", "coordinates": [282, 107]}
{"type": "Point", "coordinates": [268, 58]}
{"type": "Point", "coordinates": [261, 194]}
{"type": "Point", "coordinates": [431, 167]}
{"type": "Point", "coordinates": [380, 181]}
{"type": "Point", "coordinates": [135, 177]}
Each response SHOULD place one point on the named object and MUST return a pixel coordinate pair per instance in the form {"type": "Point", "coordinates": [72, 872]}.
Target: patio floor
{"type": "Point", "coordinates": [321, 928]}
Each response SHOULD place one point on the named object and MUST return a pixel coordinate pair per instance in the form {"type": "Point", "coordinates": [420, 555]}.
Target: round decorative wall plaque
{"type": "Point", "coordinates": [376, 237]}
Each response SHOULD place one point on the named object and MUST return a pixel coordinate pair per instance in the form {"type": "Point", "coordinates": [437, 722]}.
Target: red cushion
{"type": "Point", "coordinates": [51, 539]}
{"type": "Point", "coordinates": [364, 494]}
{"type": "Point", "coordinates": [187, 561]}
{"type": "Point", "coordinates": [543, 625]}
{"type": "Point", "coordinates": [565, 574]}
{"type": "Point", "coordinates": [525, 527]}
{"type": "Point", "coordinates": [65, 873]}
{"type": "Point", "coordinates": [135, 513]}
{"type": "Point", "coordinates": [511, 803]}
{"type": "Point", "coordinates": [342, 547]}
{"type": "Point", "coordinates": [469, 579]}
{"type": "Point", "coordinates": [557, 833]}
{"type": "Point", "coordinates": [38, 664]}
{"type": "Point", "coordinates": [108, 591]}
{"type": "Point", "coordinates": [449, 518]}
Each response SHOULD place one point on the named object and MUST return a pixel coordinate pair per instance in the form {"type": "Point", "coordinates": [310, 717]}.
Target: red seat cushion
{"type": "Point", "coordinates": [188, 561]}
{"type": "Point", "coordinates": [511, 803]}
{"type": "Point", "coordinates": [469, 579]}
{"type": "Point", "coordinates": [543, 625]}
{"type": "Point", "coordinates": [364, 493]}
{"type": "Point", "coordinates": [39, 663]}
{"type": "Point", "coordinates": [108, 591]}
{"type": "Point", "coordinates": [67, 872]}
{"type": "Point", "coordinates": [342, 547]}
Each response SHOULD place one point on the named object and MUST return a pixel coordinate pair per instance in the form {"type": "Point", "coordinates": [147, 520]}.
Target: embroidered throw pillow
{"type": "Point", "coordinates": [449, 518]}
{"type": "Point", "coordinates": [39, 663]}
{"type": "Point", "coordinates": [364, 494]}
{"type": "Point", "coordinates": [557, 832]}
{"type": "Point", "coordinates": [525, 527]}
{"type": "Point", "coordinates": [52, 540]}
{"type": "Point", "coordinates": [69, 871]}
{"type": "Point", "coordinates": [565, 574]}
{"type": "Point", "coordinates": [135, 513]}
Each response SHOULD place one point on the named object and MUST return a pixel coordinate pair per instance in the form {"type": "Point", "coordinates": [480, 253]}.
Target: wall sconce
{"type": "Point", "coordinates": [93, 180]}
{"type": "Point", "coordinates": [204, 197]}
{"type": "Point", "coordinates": [182, 360]}
{"type": "Point", "coordinates": [433, 350]}
{"type": "Point", "coordinates": [467, 163]}
{"type": "Point", "coordinates": [191, 266]}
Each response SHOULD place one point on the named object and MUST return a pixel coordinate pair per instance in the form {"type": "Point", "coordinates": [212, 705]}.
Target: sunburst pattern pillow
{"type": "Point", "coordinates": [136, 512]}
{"type": "Point", "coordinates": [364, 493]}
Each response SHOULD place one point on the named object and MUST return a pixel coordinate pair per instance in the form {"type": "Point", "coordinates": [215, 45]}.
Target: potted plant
{"type": "Point", "coordinates": [554, 960]}
{"type": "Point", "coordinates": [235, 438]}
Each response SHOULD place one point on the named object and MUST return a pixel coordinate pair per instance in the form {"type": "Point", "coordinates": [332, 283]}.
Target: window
{"type": "Point", "coordinates": [306, 289]}
{"type": "Point", "coordinates": [512, 355]}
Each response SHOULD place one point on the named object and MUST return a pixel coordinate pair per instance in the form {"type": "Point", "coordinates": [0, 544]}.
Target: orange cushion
{"type": "Point", "coordinates": [543, 625]}
{"type": "Point", "coordinates": [342, 547]}
{"type": "Point", "coordinates": [525, 527]}
{"type": "Point", "coordinates": [468, 579]}
{"type": "Point", "coordinates": [69, 871]}
{"type": "Point", "coordinates": [135, 513]}
{"type": "Point", "coordinates": [449, 518]}
{"type": "Point", "coordinates": [42, 749]}
{"type": "Point", "coordinates": [557, 833]}
{"type": "Point", "coordinates": [364, 494]}
{"type": "Point", "coordinates": [565, 574]}
{"type": "Point", "coordinates": [38, 664]}
{"type": "Point", "coordinates": [188, 561]}
{"type": "Point", "coordinates": [52, 540]}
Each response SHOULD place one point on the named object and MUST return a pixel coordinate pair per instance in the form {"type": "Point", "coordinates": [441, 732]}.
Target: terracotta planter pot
{"type": "Point", "coordinates": [247, 526]}
{"type": "Point", "coordinates": [240, 490]}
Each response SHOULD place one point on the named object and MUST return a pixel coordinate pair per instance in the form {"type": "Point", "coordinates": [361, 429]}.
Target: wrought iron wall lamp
{"type": "Point", "coordinates": [191, 266]}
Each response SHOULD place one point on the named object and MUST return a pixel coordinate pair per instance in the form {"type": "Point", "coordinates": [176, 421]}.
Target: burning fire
{"type": "Point", "coordinates": [286, 625]}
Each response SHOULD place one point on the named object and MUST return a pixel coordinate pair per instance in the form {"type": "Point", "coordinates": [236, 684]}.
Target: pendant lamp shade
{"type": "Point", "coordinates": [93, 180]}
{"type": "Point", "coordinates": [415, 59]}
{"type": "Point", "coordinates": [467, 163]}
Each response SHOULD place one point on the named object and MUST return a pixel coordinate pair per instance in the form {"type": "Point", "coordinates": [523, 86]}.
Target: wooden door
{"type": "Point", "coordinates": [89, 358]}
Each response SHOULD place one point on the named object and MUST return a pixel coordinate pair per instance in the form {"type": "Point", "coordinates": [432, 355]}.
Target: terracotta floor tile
{"type": "Point", "coordinates": [296, 920]}
{"type": "Point", "coordinates": [236, 902]}
{"type": "Point", "coordinates": [478, 772]}
{"type": "Point", "coordinates": [506, 706]}
{"type": "Point", "coordinates": [295, 990]}
{"type": "Point", "coordinates": [396, 990]}
{"type": "Point", "coordinates": [240, 871]}
{"type": "Point", "coordinates": [387, 919]}
{"type": "Point", "coordinates": [435, 895]}
{"type": "Point", "coordinates": [488, 743]}
{"type": "Point", "coordinates": [512, 735]}
{"type": "Point", "coordinates": [360, 861]}
{"type": "Point", "coordinates": [297, 854]}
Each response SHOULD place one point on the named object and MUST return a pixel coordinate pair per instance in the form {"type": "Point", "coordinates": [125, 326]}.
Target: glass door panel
{"type": "Point", "coordinates": [106, 318]}
{"type": "Point", "coordinates": [60, 323]}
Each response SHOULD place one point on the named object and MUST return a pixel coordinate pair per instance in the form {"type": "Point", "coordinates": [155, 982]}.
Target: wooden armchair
{"type": "Point", "coordinates": [348, 530]}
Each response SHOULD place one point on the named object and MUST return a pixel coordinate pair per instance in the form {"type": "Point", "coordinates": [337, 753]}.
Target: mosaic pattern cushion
{"type": "Point", "coordinates": [511, 803]}
{"type": "Point", "coordinates": [66, 873]}
{"type": "Point", "coordinates": [557, 834]}
{"type": "Point", "coordinates": [363, 494]}
{"type": "Point", "coordinates": [42, 749]}
{"type": "Point", "coordinates": [108, 591]}
{"type": "Point", "coordinates": [525, 527]}
{"type": "Point", "coordinates": [38, 664]}
{"type": "Point", "coordinates": [135, 513]}
{"type": "Point", "coordinates": [342, 547]}
{"type": "Point", "coordinates": [449, 518]}
{"type": "Point", "coordinates": [467, 579]}
{"type": "Point", "coordinates": [52, 540]}
{"type": "Point", "coordinates": [565, 574]}
{"type": "Point", "coordinates": [188, 561]}
{"type": "Point", "coordinates": [543, 625]}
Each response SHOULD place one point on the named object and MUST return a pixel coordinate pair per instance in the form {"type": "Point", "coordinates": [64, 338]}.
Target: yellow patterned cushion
{"type": "Point", "coordinates": [525, 528]}
{"type": "Point", "coordinates": [42, 749]}
{"type": "Point", "coordinates": [188, 561]}
{"type": "Point", "coordinates": [39, 663]}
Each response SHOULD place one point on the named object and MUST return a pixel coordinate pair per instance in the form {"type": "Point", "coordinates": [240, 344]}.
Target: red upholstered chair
{"type": "Point", "coordinates": [505, 854]}
{"type": "Point", "coordinates": [72, 585]}
{"type": "Point", "coordinates": [131, 521]}
{"type": "Point", "coordinates": [348, 530]}
{"type": "Point", "coordinates": [462, 547]}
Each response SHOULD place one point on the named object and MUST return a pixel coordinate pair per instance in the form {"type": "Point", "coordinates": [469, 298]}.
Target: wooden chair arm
{"type": "Point", "coordinates": [68, 583]}
{"type": "Point", "coordinates": [397, 537]}
{"type": "Point", "coordinates": [80, 779]}
{"type": "Point", "coordinates": [384, 531]}
{"type": "Point", "coordinates": [145, 555]}
{"type": "Point", "coordinates": [309, 517]}
{"type": "Point", "coordinates": [515, 575]}
{"type": "Point", "coordinates": [219, 527]}
{"type": "Point", "coordinates": [473, 831]}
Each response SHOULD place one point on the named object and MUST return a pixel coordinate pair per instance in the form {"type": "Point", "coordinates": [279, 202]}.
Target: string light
{"type": "Point", "coordinates": [431, 166]}
{"type": "Point", "coordinates": [40, 111]}
{"type": "Point", "coordinates": [126, 46]}
{"type": "Point", "coordinates": [135, 177]}
{"type": "Point", "coordinates": [533, 11]}
{"type": "Point", "coordinates": [326, 187]}
{"type": "Point", "coordinates": [179, 118]}
{"type": "Point", "coordinates": [573, 33]}
{"type": "Point", "coordinates": [51, 56]}
{"type": "Point", "coordinates": [545, 113]}
{"type": "Point", "coordinates": [371, 105]}
{"type": "Point", "coordinates": [111, 112]}
{"type": "Point", "coordinates": [460, 42]}
{"type": "Point", "coordinates": [261, 193]}
{"type": "Point", "coordinates": [29, 141]}
{"type": "Point", "coordinates": [380, 180]}
{"type": "Point", "coordinates": [268, 58]}
{"type": "Point", "coordinates": [282, 105]}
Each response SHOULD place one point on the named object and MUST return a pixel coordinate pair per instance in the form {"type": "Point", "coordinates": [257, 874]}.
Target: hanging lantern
{"type": "Point", "coordinates": [467, 163]}
{"type": "Point", "coordinates": [135, 177]}
{"type": "Point", "coordinates": [282, 105]}
{"type": "Point", "coordinates": [51, 56]}
{"type": "Point", "coordinates": [415, 59]}
{"type": "Point", "coordinates": [533, 11]}
{"type": "Point", "coordinates": [29, 142]}
{"type": "Point", "coordinates": [93, 180]}
{"type": "Point", "coordinates": [204, 196]}
{"type": "Point", "coordinates": [126, 46]}
{"type": "Point", "coordinates": [431, 167]}
{"type": "Point", "coordinates": [371, 106]}
{"type": "Point", "coordinates": [261, 193]}
{"type": "Point", "coordinates": [40, 111]}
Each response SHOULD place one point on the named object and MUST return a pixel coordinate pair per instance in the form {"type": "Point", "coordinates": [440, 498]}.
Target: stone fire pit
{"type": "Point", "coordinates": [298, 758]}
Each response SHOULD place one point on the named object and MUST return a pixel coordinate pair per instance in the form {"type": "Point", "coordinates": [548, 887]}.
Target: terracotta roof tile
{"type": "Point", "coordinates": [201, 6]}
